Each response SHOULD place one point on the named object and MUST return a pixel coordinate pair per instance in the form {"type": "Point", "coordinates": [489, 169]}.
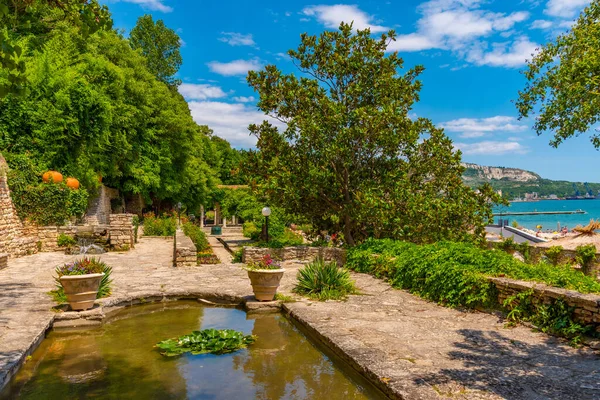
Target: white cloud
{"type": "Point", "coordinates": [244, 99]}
{"type": "Point", "coordinates": [463, 27]}
{"type": "Point", "coordinates": [192, 91]}
{"type": "Point", "coordinates": [542, 24]}
{"type": "Point", "coordinates": [229, 121]}
{"type": "Point", "coordinates": [237, 67]}
{"type": "Point", "coordinates": [154, 5]}
{"type": "Point", "coordinates": [477, 127]}
{"type": "Point", "coordinates": [491, 148]}
{"type": "Point", "coordinates": [565, 8]}
{"type": "Point", "coordinates": [237, 39]}
{"type": "Point", "coordinates": [412, 42]}
{"type": "Point", "coordinates": [504, 54]}
{"type": "Point", "coordinates": [332, 16]}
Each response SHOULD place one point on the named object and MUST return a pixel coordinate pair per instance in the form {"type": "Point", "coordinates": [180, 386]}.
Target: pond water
{"type": "Point", "coordinates": [118, 361]}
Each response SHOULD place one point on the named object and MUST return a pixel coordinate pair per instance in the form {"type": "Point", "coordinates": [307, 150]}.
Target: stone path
{"type": "Point", "coordinates": [413, 349]}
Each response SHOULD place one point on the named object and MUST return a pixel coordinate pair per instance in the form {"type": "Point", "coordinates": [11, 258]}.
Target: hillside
{"type": "Point", "coordinates": [515, 182]}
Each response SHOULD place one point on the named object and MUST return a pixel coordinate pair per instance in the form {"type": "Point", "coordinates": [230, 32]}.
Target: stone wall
{"type": "Point", "coordinates": [184, 251]}
{"type": "Point", "coordinates": [3, 260]}
{"type": "Point", "coordinates": [46, 237]}
{"type": "Point", "coordinates": [255, 254]}
{"type": "Point", "coordinates": [121, 232]}
{"type": "Point", "coordinates": [13, 240]}
{"type": "Point", "coordinates": [99, 210]}
{"type": "Point", "coordinates": [587, 306]}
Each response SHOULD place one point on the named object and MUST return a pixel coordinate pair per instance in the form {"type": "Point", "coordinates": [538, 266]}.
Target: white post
{"type": "Point", "coordinates": [201, 216]}
{"type": "Point", "coordinates": [224, 222]}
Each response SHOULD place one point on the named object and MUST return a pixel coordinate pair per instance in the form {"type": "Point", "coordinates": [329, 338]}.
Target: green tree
{"type": "Point", "coordinates": [160, 45]}
{"type": "Point", "coordinates": [349, 158]}
{"type": "Point", "coordinates": [17, 18]}
{"type": "Point", "coordinates": [563, 86]}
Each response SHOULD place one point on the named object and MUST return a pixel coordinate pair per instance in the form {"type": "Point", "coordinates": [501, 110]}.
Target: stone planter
{"type": "Point", "coordinates": [81, 290]}
{"type": "Point", "coordinates": [265, 282]}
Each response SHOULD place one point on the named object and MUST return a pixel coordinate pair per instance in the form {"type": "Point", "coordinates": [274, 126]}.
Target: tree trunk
{"type": "Point", "coordinates": [348, 231]}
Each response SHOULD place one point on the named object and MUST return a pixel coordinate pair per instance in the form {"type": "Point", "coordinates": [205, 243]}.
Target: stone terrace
{"type": "Point", "coordinates": [411, 348]}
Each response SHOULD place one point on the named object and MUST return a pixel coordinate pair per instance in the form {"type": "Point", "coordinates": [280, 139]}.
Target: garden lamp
{"type": "Point", "coordinates": [266, 212]}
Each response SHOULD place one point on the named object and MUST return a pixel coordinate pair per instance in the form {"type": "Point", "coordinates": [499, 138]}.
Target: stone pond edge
{"type": "Point", "coordinates": [105, 308]}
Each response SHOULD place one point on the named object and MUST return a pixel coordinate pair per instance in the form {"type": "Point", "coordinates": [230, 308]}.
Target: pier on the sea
{"type": "Point", "coordinates": [503, 214]}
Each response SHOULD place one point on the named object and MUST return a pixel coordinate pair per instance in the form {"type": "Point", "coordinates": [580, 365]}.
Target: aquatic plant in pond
{"type": "Point", "coordinates": [206, 341]}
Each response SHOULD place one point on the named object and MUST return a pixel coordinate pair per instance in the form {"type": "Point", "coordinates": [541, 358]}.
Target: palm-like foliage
{"type": "Point", "coordinates": [324, 281]}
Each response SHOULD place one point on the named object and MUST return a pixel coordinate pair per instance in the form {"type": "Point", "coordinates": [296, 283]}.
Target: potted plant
{"type": "Point", "coordinates": [265, 276]}
{"type": "Point", "coordinates": [81, 280]}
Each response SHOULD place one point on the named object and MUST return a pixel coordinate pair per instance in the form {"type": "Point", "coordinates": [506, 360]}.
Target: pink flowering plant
{"type": "Point", "coordinates": [266, 262]}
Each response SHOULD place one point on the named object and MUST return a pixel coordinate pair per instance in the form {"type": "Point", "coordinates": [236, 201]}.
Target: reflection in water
{"type": "Point", "coordinates": [118, 361]}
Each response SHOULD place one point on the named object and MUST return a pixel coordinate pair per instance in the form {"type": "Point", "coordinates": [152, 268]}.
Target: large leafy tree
{"type": "Point", "coordinates": [563, 86]}
{"type": "Point", "coordinates": [160, 45]}
{"type": "Point", "coordinates": [25, 17]}
{"type": "Point", "coordinates": [93, 107]}
{"type": "Point", "coordinates": [349, 157]}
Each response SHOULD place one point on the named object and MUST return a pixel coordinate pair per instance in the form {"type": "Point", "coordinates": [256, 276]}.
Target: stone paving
{"type": "Point", "coordinates": [410, 348]}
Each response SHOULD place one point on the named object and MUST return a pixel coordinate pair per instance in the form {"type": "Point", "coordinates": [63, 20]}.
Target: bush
{"type": "Point", "coordinates": [289, 238]}
{"type": "Point", "coordinates": [163, 226]}
{"type": "Point", "coordinates": [324, 281]}
{"type": "Point", "coordinates": [553, 253]}
{"type": "Point", "coordinates": [65, 240]}
{"type": "Point", "coordinates": [42, 203]}
{"type": "Point", "coordinates": [455, 273]}
{"type": "Point", "coordinates": [250, 230]}
{"type": "Point", "coordinates": [586, 255]}
{"type": "Point", "coordinates": [197, 235]}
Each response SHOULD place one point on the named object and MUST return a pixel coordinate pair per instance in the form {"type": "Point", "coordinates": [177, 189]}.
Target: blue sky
{"type": "Point", "coordinates": [473, 52]}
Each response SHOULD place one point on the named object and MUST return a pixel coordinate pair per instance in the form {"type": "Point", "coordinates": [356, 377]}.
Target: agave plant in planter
{"type": "Point", "coordinates": [265, 276]}
{"type": "Point", "coordinates": [82, 281]}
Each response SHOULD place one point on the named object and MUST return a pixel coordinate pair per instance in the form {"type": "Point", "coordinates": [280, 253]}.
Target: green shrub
{"type": "Point", "coordinates": [454, 273]}
{"type": "Point", "coordinates": [237, 256]}
{"type": "Point", "coordinates": [586, 255]}
{"type": "Point", "coordinates": [42, 203]}
{"type": "Point", "coordinates": [197, 235]}
{"type": "Point", "coordinates": [250, 230]}
{"type": "Point", "coordinates": [163, 226]}
{"type": "Point", "coordinates": [525, 250]}
{"type": "Point", "coordinates": [289, 238]}
{"type": "Point", "coordinates": [324, 280]}
{"type": "Point", "coordinates": [65, 240]}
{"type": "Point", "coordinates": [555, 318]}
{"type": "Point", "coordinates": [507, 245]}
{"type": "Point", "coordinates": [514, 224]}
{"type": "Point", "coordinates": [553, 253]}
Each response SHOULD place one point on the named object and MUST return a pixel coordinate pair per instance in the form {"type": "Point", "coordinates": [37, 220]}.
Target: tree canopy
{"type": "Point", "coordinates": [93, 108]}
{"type": "Point", "coordinates": [26, 17]}
{"type": "Point", "coordinates": [349, 158]}
{"type": "Point", "coordinates": [563, 87]}
{"type": "Point", "coordinates": [160, 46]}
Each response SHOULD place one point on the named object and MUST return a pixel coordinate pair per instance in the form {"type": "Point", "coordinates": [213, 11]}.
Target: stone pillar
{"type": "Point", "coordinates": [233, 222]}
{"type": "Point", "coordinates": [201, 216]}
{"type": "Point", "coordinates": [224, 222]}
{"type": "Point", "coordinates": [217, 213]}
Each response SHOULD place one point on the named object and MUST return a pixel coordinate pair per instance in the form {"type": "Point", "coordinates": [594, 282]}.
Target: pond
{"type": "Point", "coordinates": [118, 361]}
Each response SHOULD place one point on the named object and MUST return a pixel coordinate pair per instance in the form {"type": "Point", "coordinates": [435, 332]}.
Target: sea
{"type": "Point", "coordinates": [591, 208]}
